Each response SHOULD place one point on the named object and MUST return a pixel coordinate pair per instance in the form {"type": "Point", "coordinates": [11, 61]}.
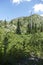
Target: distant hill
{"type": "Point", "coordinates": [24, 21]}
{"type": "Point", "coordinates": [35, 17]}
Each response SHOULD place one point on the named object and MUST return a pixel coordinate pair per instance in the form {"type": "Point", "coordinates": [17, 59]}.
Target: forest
{"type": "Point", "coordinates": [21, 41]}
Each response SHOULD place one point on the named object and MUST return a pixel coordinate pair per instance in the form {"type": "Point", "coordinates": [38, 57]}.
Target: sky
{"type": "Point", "coordinates": [10, 9]}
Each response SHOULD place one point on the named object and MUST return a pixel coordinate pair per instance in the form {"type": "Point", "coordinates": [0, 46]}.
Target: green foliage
{"type": "Point", "coordinates": [5, 23]}
{"type": "Point", "coordinates": [28, 28]}
{"type": "Point", "coordinates": [18, 31]}
{"type": "Point", "coordinates": [35, 28]}
{"type": "Point", "coordinates": [41, 27]}
{"type": "Point", "coordinates": [5, 44]}
{"type": "Point", "coordinates": [17, 49]}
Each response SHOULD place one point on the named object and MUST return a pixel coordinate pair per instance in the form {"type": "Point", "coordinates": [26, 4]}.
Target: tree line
{"type": "Point", "coordinates": [32, 27]}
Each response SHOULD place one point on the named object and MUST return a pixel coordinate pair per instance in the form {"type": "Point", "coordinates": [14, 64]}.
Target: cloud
{"type": "Point", "coordinates": [41, 0]}
{"type": "Point", "coordinates": [41, 15]}
{"type": "Point", "coordinates": [38, 7]}
{"type": "Point", "coordinates": [19, 1]}
{"type": "Point", "coordinates": [16, 1]}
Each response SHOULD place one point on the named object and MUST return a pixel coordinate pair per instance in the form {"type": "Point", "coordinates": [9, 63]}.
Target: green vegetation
{"type": "Point", "coordinates": [21, 41]}
{"type": "Point", "coordinates": [18, 31]}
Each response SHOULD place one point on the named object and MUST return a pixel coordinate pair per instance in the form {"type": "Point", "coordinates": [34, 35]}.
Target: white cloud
{"type": "Point", "coordinates": [19, 1]}
{"type": "Point", "coordinates": [41, 15]}
{"type": "Point", "coordinates": [38, 7]}
{"type": "Point", "coordinates": [41, 0]}
{"type": "Point", "coordinates": [16, 1]}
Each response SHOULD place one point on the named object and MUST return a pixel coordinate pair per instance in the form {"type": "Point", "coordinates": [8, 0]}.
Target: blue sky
{"type": "Point", "coordinates": [10, 9]}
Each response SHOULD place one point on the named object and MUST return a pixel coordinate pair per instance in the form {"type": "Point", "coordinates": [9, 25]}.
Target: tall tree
{"type": "Point", "coordinates": [24, 45]}
{"type": "Point", "coordinates": [41, 27]}
{"type": "Point", "coordinates": [11, 22]}
{"type": "Point", "coordinates": [0, 23]}
{"type": "Point", "coordinates": [5, 43]}
{"type": "Point", "coordinates": [28, 28]}
{"type": "Point", "coordinates": [35, 28]}
{"type": "Point", "coordinates": [5, 23]}
{"type": "Point", "coordinates": [18, 30]}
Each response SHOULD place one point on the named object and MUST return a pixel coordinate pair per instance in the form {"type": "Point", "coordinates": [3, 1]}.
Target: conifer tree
{"type": "Point", "coordinates": [11, 22]}
{"type": "Point", "coordinates": [5, 43]}
{"type": "Point", "coordinates": [0, 23]}
{"type": "Point", "coordinates": [18, 30]}
{"type": "Point", "coordinates": [5, 23]}
{"type": "Point", "coordinates": [28, 28]}
{"type": "Point", "coordinates": [35, 28]}
{"type": "Point", "coordinates": [23, 45]}
{"type": "Point", "coordinates": [41, 28]}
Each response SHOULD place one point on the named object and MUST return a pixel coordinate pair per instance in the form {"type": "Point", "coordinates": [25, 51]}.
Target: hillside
{"type": "Point", "coordinates": [36, 18]}
{"type": "Point", "coordinates": [23, 22]}
{"type": "Point", "coordinates": [21, 49]}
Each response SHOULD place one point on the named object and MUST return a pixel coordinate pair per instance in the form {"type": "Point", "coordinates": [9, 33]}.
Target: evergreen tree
{"type": "Point", "coordinates": [35, 28]}
{"type": "Point", "coordinates": [31, 21]}
{"type": "Point", "coordinates": [0, 23]}
{"type": "Point", "coordinates": [11, 22]}
{"type": "Point", "coordinates": [18, 30]}
{"type": "Point", "coordinates": [28, 28]}
{"type": "Point", "coordinates": [23, 45]}
{"type": "Point", "coordinates": [41, 28]}
{"type": "Point", "coordinates": [5, 43]}
{"type": "Point", "coordinates": [5, 23]}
